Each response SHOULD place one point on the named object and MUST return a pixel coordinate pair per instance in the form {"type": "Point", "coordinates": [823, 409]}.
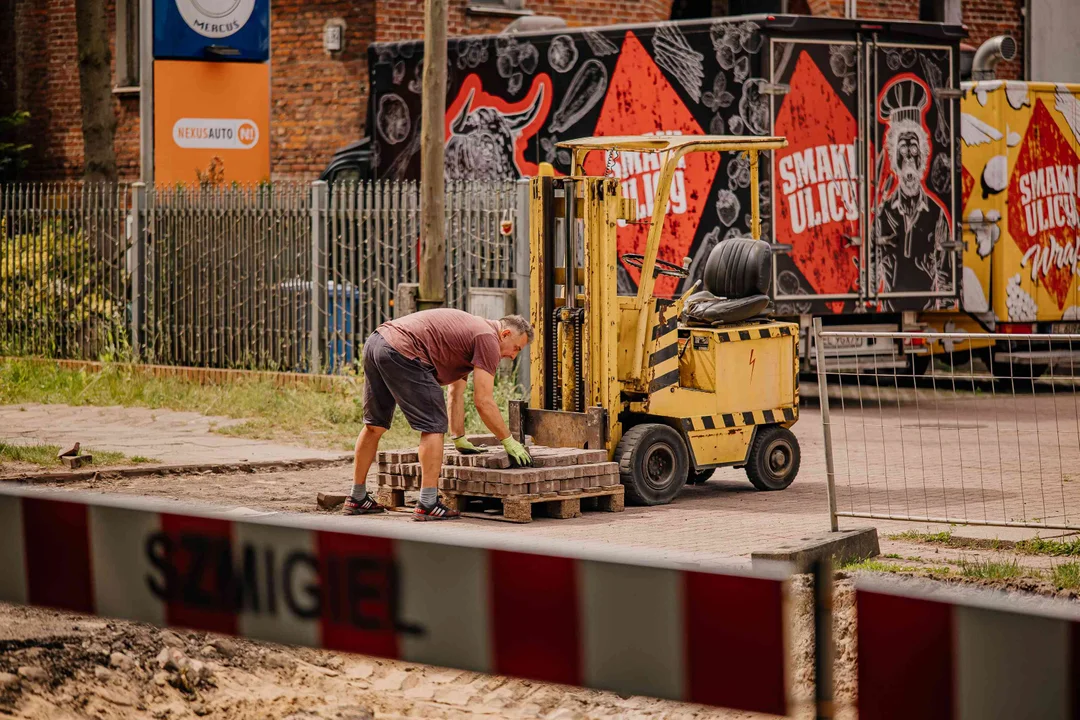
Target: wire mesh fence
{"type": "Point", "coordinates": [988, 434]}
{"type": "Point", "coordinates": [63, 274]}
{"type": "Point", "coordinates": [372, 245]}
{"type": "Point", "coordinates": [223, 268]}
{"type": "Point", "coordinates": [286, 276]}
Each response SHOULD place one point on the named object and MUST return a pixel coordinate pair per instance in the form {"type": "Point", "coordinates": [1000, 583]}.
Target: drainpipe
{"type": "Point", "coordinates": [989, 54]}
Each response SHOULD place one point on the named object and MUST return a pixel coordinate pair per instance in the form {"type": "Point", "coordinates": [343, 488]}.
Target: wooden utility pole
{"type": "Point", "coordinates": [432, 150]}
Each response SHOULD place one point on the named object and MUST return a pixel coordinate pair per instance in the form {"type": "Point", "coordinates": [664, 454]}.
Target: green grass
{"type": "Point", "coordinates": [1054, 548]}
{"type": "Point", "coordinates": [994, 570]}
{"type": "Point", "coordinates": [1034, 546]}
{"type": "Point", "coordinates": [45, 455]}
{"type": "Point", "coordinates": [296, 415]}
{"type": "Point", "coordinates": [939, 538]}
{"type": "Point", "coordinates": [871, 565]}
{"type": "Point", "coordinates": [1066, 575]}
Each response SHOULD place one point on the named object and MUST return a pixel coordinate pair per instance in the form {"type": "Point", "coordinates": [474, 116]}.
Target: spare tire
{"type": "Point", "coordinates": [738, 268]}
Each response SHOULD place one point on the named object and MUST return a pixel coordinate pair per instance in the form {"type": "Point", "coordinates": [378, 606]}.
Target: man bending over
{"type": "Point", "coordinates": [405, 363]}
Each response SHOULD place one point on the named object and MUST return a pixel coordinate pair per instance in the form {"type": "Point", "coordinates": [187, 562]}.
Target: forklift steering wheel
{"type": "Point", "coordinates": [662, 267]}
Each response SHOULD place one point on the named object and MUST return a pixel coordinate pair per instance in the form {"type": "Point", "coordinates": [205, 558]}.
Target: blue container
{"type": "Point", "coordinates": [342, 301]}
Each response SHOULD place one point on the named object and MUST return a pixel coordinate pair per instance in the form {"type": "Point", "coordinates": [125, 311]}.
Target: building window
{"type": "Point", "coordinates": [946, 11]}
{"type": "Point", "coordinates": [127, 43]}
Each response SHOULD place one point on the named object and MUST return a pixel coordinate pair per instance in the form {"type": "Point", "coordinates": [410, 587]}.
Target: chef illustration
{"type": "Point", "coordinates": [911, 225]}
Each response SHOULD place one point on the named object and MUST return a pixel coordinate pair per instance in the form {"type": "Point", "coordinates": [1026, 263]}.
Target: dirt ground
{"type": "Point", "coordinates": [84, 679]}
{"type": "Point", "coordinates": [62, 666]}
{"type": "Point", "coordinates": [58, 665]}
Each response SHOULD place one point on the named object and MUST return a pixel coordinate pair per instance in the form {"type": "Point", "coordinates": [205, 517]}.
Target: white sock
{"type": "Point", "coordinates": [359, 492]}
{"type": "Point", "coordinates": [429, 496]}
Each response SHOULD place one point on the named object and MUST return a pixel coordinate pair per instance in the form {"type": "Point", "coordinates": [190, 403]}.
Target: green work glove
{"type": "Point", "coordinates": [519, 456]}
{"type": "Point", "coordinates": [465, 447]}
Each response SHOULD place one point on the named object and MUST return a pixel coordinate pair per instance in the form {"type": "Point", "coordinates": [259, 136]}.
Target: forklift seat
{"type": "Point", "coordinates": [738, 276]}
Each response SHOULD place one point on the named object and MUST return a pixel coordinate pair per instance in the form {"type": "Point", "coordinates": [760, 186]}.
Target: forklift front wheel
{"type": "Point", "coordinates": [653, 464]}
{"type": "Point", "coordinates": [774, 458]}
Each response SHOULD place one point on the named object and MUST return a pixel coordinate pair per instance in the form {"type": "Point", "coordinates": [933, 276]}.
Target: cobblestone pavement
{"type": "Point", "coordinates": [174, 438]}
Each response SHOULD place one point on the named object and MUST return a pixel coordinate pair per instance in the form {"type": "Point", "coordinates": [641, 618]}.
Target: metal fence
{"type": "Point", "coordinates": [284, 276]}
{"type": "Point", "coordinates": [64, 285]}
{"type": "Point", "coordinates": [984, 437]}
{"type": "Point", "coordinates": [371, 245]}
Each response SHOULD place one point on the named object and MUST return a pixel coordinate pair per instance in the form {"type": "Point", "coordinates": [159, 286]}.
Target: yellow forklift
{"type": "Point", "coordinates": [672, 389]}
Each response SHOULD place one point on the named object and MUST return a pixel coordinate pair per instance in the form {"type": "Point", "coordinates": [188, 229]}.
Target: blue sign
{"type": "Point", "coordinates": [212, 29]}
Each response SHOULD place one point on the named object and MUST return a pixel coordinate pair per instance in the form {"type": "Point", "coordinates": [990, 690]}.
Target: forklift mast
{"type": "Point", "coordinates": [573, 297]}
{"type": "Point", "coordinates": [589, 357]}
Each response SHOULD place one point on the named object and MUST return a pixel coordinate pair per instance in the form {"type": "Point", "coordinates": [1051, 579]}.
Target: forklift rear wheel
{"type": "Point", "coordinates": [653, 464]}
{"type": "Point", "coordinates": [699, 477]}
{"type": "Point", "coordinates": [774, 458]}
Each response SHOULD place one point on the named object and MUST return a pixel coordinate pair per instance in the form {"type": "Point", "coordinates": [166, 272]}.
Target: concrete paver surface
{"type": "Point", "coordinates": [902, 455]}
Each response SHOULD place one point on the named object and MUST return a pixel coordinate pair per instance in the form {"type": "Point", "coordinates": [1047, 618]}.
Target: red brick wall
{"type": "Point", "coordinates": [318, 100]}
{"type": "Point", "coordinates": [987, 18]}
{"type": "Point", "coordinates": [44, 76]}
{"type": "Point", "coordinates": [984, 20]}
{"type": "Point", "coordinates": [47, 85]}
{"type": "Point", "coordinates": [404, 20]}
{"type": "Point", "coordinates": [894, 9]}
{"type": "Point", "coordinates": [7, 59]}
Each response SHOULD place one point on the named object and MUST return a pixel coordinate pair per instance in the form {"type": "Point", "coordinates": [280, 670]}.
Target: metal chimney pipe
{"type": "Point", "coordinates": [989, 54]}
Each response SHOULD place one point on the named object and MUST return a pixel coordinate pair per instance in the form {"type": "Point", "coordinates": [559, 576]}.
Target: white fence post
{"type": "Point", "coordinates": [319, 200]}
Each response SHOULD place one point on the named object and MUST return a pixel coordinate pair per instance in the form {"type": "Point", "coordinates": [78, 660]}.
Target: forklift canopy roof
{"type": "Point", "coordinates": [680, 144]}
{"type": "Point", "coordinates": [656, 144]}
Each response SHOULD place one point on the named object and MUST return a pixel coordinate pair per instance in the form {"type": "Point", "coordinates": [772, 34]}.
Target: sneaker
{"type": "Point", "coordinates": [367, 506]}
{"type": "Point", "coordinates": [438, 511]}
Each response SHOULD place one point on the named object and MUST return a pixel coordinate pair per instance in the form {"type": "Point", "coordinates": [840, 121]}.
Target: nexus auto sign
{"type": "Point", "coordinates": [215, 133]}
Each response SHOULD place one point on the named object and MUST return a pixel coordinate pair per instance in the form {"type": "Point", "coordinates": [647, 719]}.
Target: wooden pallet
{"type": "Point", "coordinates": [519, 508]}
{"type": "Point", "coordinates": [522, 508]}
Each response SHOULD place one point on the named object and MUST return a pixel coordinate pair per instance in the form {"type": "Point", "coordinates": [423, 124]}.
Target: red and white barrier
{"type": "Point", "coordinates": [595, 620]}
{"type": "Point", "coordinates": [964, 656]}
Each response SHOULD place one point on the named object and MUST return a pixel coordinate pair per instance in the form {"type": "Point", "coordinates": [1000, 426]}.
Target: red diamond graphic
{"type": "Point", "coordinates": [1042, 196]}
{"type": "Point", "coordinates": [816, 191]}
{"type": "Point", "coordinates": [968, 182]}
{"type": "Point", "coordinates": [641, 101]}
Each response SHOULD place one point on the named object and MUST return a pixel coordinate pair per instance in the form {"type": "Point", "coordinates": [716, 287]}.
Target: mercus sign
{"type": "Point", "coordinates": [215, 18]}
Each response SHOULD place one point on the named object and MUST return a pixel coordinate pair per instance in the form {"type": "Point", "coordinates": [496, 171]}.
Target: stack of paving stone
{"type": "Point", "coordinates": [554, 470]}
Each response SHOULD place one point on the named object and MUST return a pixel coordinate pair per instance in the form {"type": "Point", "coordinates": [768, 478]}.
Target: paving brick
{"type": "Point", "coordinates": [398, 456]}
{"type": "Point", "coordinates": [495, 460]}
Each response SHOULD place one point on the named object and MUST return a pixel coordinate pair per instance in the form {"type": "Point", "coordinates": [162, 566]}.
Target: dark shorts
{"type": "Point", "coordinates": [391, 379]}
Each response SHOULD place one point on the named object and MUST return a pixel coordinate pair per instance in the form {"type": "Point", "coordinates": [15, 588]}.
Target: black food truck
{"type": "Point", "coordinates": [861, 206]}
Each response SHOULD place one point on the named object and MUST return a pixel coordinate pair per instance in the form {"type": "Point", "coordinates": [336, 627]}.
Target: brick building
{"type": "Point", "coordinates": [319, 100]}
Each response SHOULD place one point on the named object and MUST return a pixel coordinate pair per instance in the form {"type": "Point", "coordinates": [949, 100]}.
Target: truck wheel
{"type": "Point", "coordinates": [653, 464]}
{"type": "Point", "coordinates": [699, 477]}
{"type": "Point", "coordinates": [774, 458]}
{"type": "Point", "coordinates": [920, 364]}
